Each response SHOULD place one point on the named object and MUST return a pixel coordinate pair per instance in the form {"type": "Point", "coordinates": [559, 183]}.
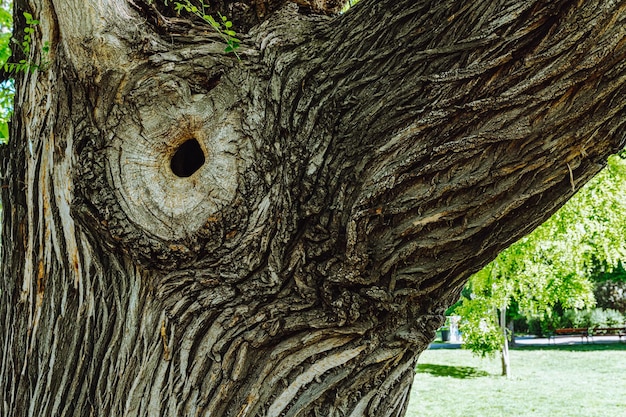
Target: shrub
{"type": "Point", "coordinates": [482, 338]}
{"type": "Point", "coordinates": [597, 318]}
{"type": "Point", "coordinates": [575, 318]}
{"type": "Point", "coordinates": [534, 326]}
{"type": "Point", "coordinates": [614, 318]}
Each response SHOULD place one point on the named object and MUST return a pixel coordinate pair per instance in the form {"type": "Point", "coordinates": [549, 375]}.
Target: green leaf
{"type": "Point", "coordinates": [230, 32]}
{"type": "Point", "coordinates": [28, 16]}
{"type": "Point", "coordinates": [5, 18]}
{"type": "Point", "coordinates": [4, 131]}
{"type": "Point", "coordinates": [228, 23]}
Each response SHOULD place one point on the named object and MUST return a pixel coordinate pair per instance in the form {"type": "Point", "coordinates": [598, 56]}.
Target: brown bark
{"type": "Point", "coordinates": [190, 234]}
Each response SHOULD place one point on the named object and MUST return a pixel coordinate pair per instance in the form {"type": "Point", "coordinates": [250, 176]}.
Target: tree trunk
{"type": "Point", "coordinates": [506, 359]}
{"type": "Point", "coordinates": [189, 234]}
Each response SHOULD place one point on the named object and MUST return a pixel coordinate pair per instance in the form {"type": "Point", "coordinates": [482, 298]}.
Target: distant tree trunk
{"type": "Point", "coordinates": [506, 359]}
{"type": "Point", "coordinates": [511, 328]}
{"type": "Point", "coordinates": [187, 234]}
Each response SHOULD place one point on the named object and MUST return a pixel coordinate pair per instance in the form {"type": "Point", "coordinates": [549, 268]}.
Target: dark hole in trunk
{"type": "Point", "coordinates": [187, 159]}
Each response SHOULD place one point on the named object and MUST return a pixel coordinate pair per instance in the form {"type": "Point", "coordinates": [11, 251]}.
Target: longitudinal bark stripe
{"type": "Point", "coordinates": [316, 370]}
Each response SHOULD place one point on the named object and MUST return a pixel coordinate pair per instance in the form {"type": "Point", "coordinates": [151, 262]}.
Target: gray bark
{"type": "Point", "coordinates": [337, 187]}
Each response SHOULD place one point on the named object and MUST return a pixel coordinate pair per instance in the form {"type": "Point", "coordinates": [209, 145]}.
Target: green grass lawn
{"type": "Point", "coordinates": [556, 381]}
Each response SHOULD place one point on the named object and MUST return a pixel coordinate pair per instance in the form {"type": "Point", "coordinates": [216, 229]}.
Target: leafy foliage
{"type": "Point", "coordinates": [223, 26]}
{"type": "Point", "coordinates": [6, 87]}
{"type": "Point", "coordinates": [481, 332]}
{"type": "Point", "coordinates": [25, 44]}
{"type": "Point", "coordinates": [349, 4]}
{"type": "Point", "coordinates": [551, 268]}
{"type": "Point", "coordinates": [5, 30]}
{"type": "Point", "coordinates": [9, 67]}
{"type": "Point", "coordinates": [6, 109]}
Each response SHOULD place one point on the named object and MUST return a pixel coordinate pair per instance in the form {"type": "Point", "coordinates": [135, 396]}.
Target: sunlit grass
{"type": "Point", "coordinates": [568, 381]}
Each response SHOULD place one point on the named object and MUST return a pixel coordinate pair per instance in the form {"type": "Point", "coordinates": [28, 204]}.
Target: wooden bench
{"type": "Point", "coordinates": [607, 331]}
{"type": "Point", "coordinates": [583, 332]}
{"type": "Point", "coordinates": [588, 332]}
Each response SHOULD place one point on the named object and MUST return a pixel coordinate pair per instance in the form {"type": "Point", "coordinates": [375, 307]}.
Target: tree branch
{"type": "Point", "coordinates": [443, 135]}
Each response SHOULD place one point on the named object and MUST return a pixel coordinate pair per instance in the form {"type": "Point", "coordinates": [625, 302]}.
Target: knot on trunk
{"type": "Point", "coordinates": [162, 176]}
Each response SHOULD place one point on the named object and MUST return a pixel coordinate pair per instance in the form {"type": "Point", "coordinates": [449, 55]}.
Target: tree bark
{"type": "Point", "coordinates": [189, 234]}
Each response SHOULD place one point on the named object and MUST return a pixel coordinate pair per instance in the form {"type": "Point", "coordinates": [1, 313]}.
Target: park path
{"type": "Point", "coordinates": [544, 341]}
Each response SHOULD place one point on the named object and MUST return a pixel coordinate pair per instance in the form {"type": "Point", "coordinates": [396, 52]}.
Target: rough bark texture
{"type": "Point", "coordinates": [186, 234]}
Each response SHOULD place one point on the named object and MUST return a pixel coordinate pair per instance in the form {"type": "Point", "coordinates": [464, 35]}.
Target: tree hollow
{"type": "Point", "coordinates": [187, 159]}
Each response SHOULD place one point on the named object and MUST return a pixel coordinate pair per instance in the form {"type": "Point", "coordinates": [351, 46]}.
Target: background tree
{"type": "Point", "coordinates": [553, 266]}
{"type": "Point", "coordinates": [193, 233]}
